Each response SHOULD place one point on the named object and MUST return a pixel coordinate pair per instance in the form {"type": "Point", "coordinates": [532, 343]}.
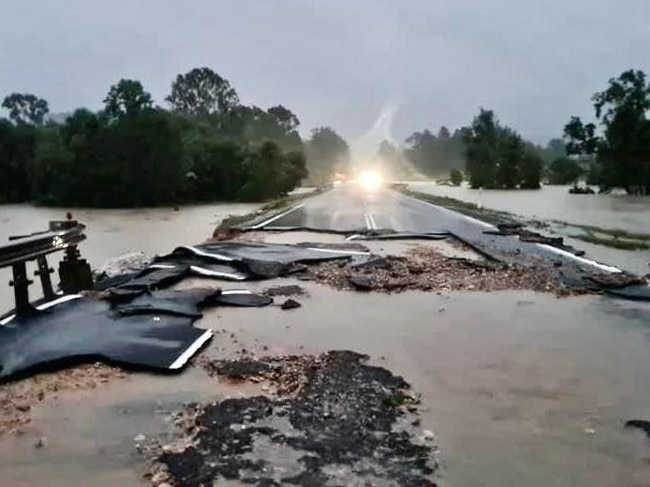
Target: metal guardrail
{"type": "Point", "coordinates": [61, 236]}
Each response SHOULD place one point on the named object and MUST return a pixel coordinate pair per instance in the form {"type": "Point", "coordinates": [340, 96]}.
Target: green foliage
{"type": "Point", "coordinates": [497, 157]}
{"type": "Point", "coordinates": [434, 155]}
{"type": "Point", "coordinates": [131, 154]}
{"type": "Point", "coordinates": [456, 177]}
{"type": "Point", "coordinates": [202, 92]}
{"type": "Point", "coordinates": [327, 153]}
{"type": "Point", "coordinates": [270, 172]}
{"type": "Point", "coordinates": [623, 150]}
{"type": "Point", "coordinates": [564, 171]}
{"type": "Point", "coordinates": [127, 98]}
{"type": "Point", "coordinates": [16, 151]}
{"type": "Point", "coordinates": [25, 109]}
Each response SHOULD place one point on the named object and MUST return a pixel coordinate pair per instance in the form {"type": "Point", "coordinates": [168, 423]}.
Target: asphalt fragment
{"type": "Point", "coordinates": [334, 420]}
{"type": "Point", "coordinates": [290, 304]}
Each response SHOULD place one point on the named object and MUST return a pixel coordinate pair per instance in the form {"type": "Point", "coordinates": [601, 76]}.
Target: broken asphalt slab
{"type": "Point", "coordinates": [153, 330]}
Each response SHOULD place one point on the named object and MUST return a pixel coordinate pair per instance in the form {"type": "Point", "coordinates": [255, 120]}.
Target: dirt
{"type": "Point", "coordinates": [18, 398]}
{"type": "Point", "coordinates": [332, 420]}
{"type": "Point", "coordinates": [424, 268]}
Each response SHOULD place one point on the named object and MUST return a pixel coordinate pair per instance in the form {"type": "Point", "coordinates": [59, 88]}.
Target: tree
{"type": "Point", "coordinates": [284, 118]}
{"type": "Point", "coordinates": [202, 92]}
{"type": "Point", "coordinates": [26, 109]}
{"type": "Point", "coordinates": [564, 170]}
{"type": "Point", "coordinates": [497, 157]}
{"type": "Point", "coordinates": [327, 153]}
{"type": "Point", "coordinates": [623, 150]}
{"type": "Point", "coordinates": [435, 155]}
{"type": "Point", "coordinates": [271, 173]}
{"type": "Point", "coordinates": [481, 143]}
{"type": "Point", "coordinates": [16, 151]}
{"type": "Point", "coordinates": [456, 177]}
{"type": "Point", "coordinates": [126, 99]}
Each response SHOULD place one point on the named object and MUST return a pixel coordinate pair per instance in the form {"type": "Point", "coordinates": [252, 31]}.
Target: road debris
{"type": "Point", "coordinates": [333, 420]}
{"type": "Point", "coordinates": [424, 268]}
{"type": "Point", "coordinates": [641, 424]}
{"type": "Point", "coordinates": [290, 304]}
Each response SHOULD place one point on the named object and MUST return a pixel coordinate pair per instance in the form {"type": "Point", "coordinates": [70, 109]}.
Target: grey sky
{"type": "Point", "coordinates": [337, 63]}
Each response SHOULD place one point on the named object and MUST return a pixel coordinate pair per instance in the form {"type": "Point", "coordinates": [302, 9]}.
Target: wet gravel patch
{"type": "Point", "coordinates": [330, 419]}
{"type": "Point", "coordinates": [285, 291]}
{"type": "Point", "coordinates": [427, 269]}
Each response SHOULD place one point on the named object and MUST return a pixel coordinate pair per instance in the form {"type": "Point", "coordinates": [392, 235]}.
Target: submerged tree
{"type": "Point", "coordinates": [623, 150]}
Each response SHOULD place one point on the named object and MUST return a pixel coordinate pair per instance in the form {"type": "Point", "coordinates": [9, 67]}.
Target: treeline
{"type": "Point", "coordinates": [487, 153]}
{"type": "Point", "coordinates": [206, 147]}
{"type": "Point", "coordinates": [619, 141]}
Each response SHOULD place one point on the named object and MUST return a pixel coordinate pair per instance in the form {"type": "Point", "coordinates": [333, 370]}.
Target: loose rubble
{"type": "Point", "coordinates": [427, 269]}
{"type": "Point", "coordinates": [18, 398]}
{"type": "Point", "coordinates": [332, 420]}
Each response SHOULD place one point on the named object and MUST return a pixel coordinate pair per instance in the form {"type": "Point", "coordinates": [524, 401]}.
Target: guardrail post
{"type": "Point", "coordinates": [20, 284]}
{"type": "Point", "coordinates": [44, 272]}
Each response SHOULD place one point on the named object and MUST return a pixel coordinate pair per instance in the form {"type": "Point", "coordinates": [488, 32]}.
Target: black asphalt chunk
{"type": "Point", "coordinates": [362, 283]}
{"type": "Point", "coordinates": [148, 330]}
{"type": "Point", "coordinates": [290, 304]}
{"type": "Point", "coordinates": [241, 299]}
{"type": "Point", "coordinates": [641, 424]}
{"type": "Point", "coordinates": [636, 293]}
{"type": "Point", "coordinates": [346, 423]}
{"type": "Point", "coordinates": [153, 331]}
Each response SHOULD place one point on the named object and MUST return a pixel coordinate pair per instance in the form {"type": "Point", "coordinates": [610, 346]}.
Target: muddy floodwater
{"type": "Point", "coordinates": [114, 232]}
{"type": "Point", "coordinates": [612, 211]}
{"type": "Point", "coordinates": [520, 388]}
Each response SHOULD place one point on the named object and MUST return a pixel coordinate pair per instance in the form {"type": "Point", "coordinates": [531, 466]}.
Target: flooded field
{"type": "Point", "coordinates": [615, 211]}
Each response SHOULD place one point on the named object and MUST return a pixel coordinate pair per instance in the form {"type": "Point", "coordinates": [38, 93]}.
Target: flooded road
{"type": "Point", "coordinates": [615, 211]}
{"type": "Point", "coordinates": [520, 388]}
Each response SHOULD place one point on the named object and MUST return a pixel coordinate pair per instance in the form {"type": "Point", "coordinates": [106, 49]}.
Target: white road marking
{"type": "Point", "coordinates": [373, 223]}
{"type": "Point", "coordinates": [341, 252]}
{"type": "Point", "coordinates": [191, 350]}
{"type": "Point", "coordinates": [213, 256]}
{"type": "Point", "coordinates": [367, 221]}
{"type": "Point", "coordinates": [211, 273]}
{"type": "Point", "coordinates": [276, 217]}
{"type": "Point", "coordinates": [49, 304]}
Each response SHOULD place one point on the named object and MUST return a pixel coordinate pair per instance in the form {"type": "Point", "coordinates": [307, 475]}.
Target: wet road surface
{"type": "Point", "coordinates": [349, 208]}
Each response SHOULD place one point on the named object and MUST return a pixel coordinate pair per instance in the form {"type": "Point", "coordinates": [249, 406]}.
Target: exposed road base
{"type": "Point", "coordinates": [335, 421]}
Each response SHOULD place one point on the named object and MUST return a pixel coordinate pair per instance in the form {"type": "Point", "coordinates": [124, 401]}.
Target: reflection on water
{"type": "Point", "coordinates": [615, 211]}
{"type": "Point", "coordinates": [113, 232]}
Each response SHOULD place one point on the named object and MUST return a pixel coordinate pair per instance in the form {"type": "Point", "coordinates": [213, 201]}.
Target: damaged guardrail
{"type": "Point", "coordinates": [74, 272]}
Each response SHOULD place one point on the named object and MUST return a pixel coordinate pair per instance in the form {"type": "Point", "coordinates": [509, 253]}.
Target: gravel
{"type": "Point", "coordinates": [427, 269]}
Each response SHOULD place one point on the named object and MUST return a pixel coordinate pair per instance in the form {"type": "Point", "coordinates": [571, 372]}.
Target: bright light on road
{"type": "Point", "coordinates": [370, 180]}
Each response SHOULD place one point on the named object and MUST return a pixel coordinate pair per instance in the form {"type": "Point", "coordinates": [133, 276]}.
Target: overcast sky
{"type": "Point", "coordinates": [341, 62]}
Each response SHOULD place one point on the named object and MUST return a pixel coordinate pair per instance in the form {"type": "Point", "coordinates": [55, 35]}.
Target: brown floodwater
{"type": "Point", "coordinates": [520, 388]}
